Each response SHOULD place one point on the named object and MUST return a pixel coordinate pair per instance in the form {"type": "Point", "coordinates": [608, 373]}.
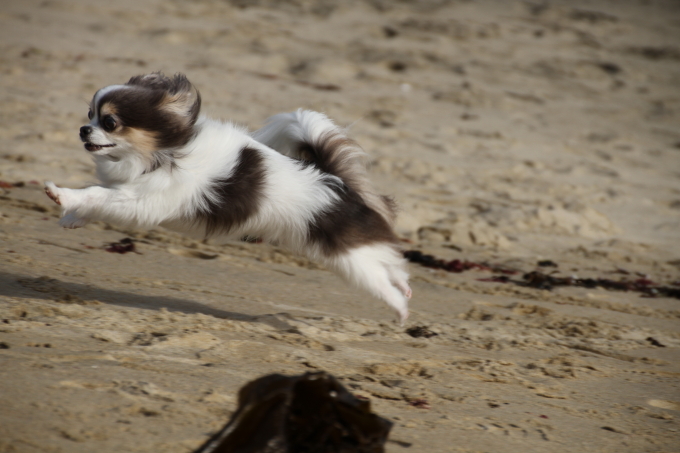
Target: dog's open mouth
{"type": "Point", "coordinates": [92, 147]}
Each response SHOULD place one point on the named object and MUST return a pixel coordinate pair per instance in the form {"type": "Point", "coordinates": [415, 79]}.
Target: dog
{"type": "Point", "coordinates": [298, 182]}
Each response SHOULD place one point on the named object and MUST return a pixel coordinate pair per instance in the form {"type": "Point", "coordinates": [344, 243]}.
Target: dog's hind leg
{"type": "Point", "coordinates": [377, 269]}
{"type": "Point", "coordinates": [399, 278]}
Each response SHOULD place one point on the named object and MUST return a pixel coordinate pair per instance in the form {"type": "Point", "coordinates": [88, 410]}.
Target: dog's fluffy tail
{"type": "Point", "coordinates": [311, 136]}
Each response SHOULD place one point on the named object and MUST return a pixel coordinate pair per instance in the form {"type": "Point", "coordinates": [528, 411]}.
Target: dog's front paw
{"type": "Point", "coordinates": [402, 316]}
{"type": "Point", "coordinates": [71, 221]}
{"type": "Point", "coordinates": [52, 191]}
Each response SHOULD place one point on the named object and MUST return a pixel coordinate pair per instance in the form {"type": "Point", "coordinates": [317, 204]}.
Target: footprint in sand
{"type": "Point", "coordinates": [664, 404]}
{"type": "Point", "coordinates": [193, 254]}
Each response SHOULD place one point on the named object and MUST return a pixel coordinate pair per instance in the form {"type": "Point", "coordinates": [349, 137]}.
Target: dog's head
{"type": "Point", "coordinates": [151, 113]}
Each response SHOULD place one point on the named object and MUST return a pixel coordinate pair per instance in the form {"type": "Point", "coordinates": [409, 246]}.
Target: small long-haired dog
{"type": "Point", "coordinates": [298, 182]}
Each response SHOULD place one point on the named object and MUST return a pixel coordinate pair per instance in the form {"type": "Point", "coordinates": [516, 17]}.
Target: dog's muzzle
{"type": "Point", "coordinates": [85, 131]}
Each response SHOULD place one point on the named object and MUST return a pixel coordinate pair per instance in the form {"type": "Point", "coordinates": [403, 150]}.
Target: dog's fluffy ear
{"type": "Point", "coordinates": [181, 97]}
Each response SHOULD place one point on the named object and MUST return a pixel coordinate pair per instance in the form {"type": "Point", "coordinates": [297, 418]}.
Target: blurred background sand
{"type": "Point", "coordinates": [509, 132]}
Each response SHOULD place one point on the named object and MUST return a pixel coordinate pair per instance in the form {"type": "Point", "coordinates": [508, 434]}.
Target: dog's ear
{"type": "Point", "coordinates": [181, 97]}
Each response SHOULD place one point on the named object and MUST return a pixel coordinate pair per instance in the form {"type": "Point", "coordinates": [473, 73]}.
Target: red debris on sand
{"type": "Point", "coordinates": [540, 280]}
{"type": "Point", "coordinates": [495, 279]}
{"type": "Point", "coordinates": [421, 332]}
{"type": "Point", "coordinates": [644, 286]}
{"type": "Point", "coordinates": [122, 246]}
{"type": "Point", "coordinates": [456, 266]}
{"type": "Point", "coordinates": [11, 185]}
{"type": "Point", "coordinates": [420, 403]}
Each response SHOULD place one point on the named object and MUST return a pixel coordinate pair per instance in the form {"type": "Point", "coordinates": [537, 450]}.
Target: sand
{"type": "Point", "coordinates": [509, 133]}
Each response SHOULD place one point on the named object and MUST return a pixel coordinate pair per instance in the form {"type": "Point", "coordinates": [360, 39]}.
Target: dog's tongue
{"type": "Point", "coordinates": [92, 147]}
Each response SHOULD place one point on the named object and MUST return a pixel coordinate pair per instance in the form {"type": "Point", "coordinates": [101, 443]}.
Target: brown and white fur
{"type": "Point", "coordinates": [298, 181]}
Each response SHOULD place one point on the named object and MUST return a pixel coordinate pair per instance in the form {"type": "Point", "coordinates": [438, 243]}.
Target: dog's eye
{"type": "Point", "coordinates": [109, 123]}
{"type": "Point", "coordinates": [89, 114]}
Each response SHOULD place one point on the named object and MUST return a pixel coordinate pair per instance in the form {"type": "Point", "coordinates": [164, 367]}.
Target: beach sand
{"type": "Point", "coordinates": [509, 133]}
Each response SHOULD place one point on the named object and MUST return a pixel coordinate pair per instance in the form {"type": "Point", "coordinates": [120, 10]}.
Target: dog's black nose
{"type": "Point", "coordinates": [85, 131]}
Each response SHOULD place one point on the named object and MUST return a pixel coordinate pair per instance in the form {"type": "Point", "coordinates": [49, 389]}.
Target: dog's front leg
{"type": "Point", "coordinates": [77, 204]}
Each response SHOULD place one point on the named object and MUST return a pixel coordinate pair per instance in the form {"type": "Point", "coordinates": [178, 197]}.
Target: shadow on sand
{"type": "Point", "coordinates": [46, 288]}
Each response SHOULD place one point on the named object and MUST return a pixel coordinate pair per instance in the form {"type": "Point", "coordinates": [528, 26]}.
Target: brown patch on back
{"type": "Point", "coordinates": [348, 224]}
{"type": "Point", "coordinates": [236, 198]}
{"type": "Point", "coordinates": [341, 156]}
